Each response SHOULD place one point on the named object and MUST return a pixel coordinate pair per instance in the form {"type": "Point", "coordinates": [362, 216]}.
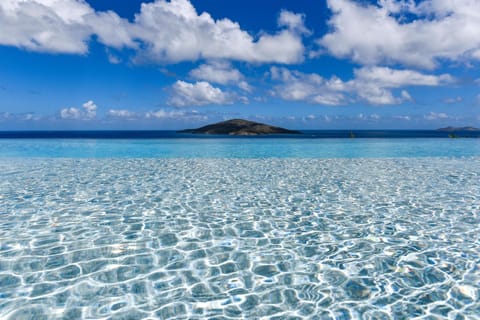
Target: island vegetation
{"type": "Point", "coordinates": [240, 127]}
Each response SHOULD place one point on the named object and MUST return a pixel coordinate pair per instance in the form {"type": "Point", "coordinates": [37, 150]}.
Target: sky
{"type": "Point", "coordinates": [175, 64]}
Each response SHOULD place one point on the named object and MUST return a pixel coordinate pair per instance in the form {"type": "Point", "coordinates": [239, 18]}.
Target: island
{"type": "Point", "coordinates": [453, 129]}
{"type": "Point", "coordinates": [240, 127]}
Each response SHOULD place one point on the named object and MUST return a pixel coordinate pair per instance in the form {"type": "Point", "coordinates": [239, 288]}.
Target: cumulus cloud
{"type": "Point", "coordinates": [375, 84]}
{"type": "Point", "coordinates": [70, 113]}
{"type": "Point", "coordinates": [297, 86]}
{"type": "Point", "coordinates": [293, 21]}
{"type": "Point", "coordinates": [45, 25]}
{"type": "Point", "coordinates": [90, 109]}
{"type": "Point", "coordinates": [378, 96]}
{"type": "Point", "coordinates": [217, 72]}
{"type": "Point", "coordinates": [88, 112]}
{"type": "Point", "coordinates": [393, 78]}
{"type": "Point", "coordinates": [163, 31]}
{"type": "Point", "coordinates": [199, 93]}
{"type": "Point", "coordinates": [221, 73]}
{"type": "Point", "coordinates": [174, 31]}
{"type": "Point", "coordinates": [374, 34]}
{"type": "Point", "coordinates": [60, 26]}
{"type": "Point", "coordinates": [370, 84]}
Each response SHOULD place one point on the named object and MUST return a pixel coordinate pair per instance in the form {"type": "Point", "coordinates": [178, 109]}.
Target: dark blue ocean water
{"type": "Point", "coordinates": [164, 134]}
{"type": "Point", "coordinates": [170, 144]}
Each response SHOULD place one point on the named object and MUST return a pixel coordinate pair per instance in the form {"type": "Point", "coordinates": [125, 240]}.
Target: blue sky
{"type": "Point", "coordinates": [308, 64]}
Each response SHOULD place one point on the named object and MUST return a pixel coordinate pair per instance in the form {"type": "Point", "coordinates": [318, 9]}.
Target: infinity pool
{"type": "Point", "coordinates": [245, 236]}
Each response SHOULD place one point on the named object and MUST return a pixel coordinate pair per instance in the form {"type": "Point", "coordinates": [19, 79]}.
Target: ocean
{"type": "Point", "coordinates": [133, 225]}
{"type": "Point", "coordinates": [169, 134]}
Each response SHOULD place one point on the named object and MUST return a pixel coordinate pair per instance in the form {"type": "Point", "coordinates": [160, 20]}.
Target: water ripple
{"type": "Point", "coordinates": [240, 238]}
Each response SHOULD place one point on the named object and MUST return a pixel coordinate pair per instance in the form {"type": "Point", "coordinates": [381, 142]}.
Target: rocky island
{"type": "Point", "coordinates": [240, 127]}
{"type": "Point", "coordinates": [452, 129]}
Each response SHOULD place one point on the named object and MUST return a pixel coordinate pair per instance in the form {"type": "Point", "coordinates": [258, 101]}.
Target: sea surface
{"type": "Point", "coordinates": [239, 228]}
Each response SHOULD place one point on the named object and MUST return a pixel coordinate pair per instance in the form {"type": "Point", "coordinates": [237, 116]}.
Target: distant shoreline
{"type": "Point", "coordinates": [173, 134]}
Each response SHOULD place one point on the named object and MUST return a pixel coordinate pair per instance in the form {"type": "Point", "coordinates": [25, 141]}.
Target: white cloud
{"type": "Point", "coordinates": [404, 118]}
{"type": "Point", "coordinates": [393, 78]}
{"type": "Point", "coordinates": [436, 116]}
{"type": "Point", "coordinates": [122, 114]}
{"type": "Point", "coordinates": [373, 34]}
{"type": "Point", "coordinates": [297, 86]}
{"type": "Point", "coordinates": [375, 95]}
{"type": "Point", "coordinates": [111, 30]}
{"type": "Point", "coordinates": [28, 116]}
{"type": "Point", "coordinates": [197, 94]}
{"type": "Point", "coordinates": [174, 31]}
{"type": "Point", "coordinates": [89, 112]}
{"type": "Point", "coordinates": [176, 115]}
{"type": "Point", "coordinates": [221, 73]}
{"type": "Point", "coordinates": [375, 84]}
{"type": "Point", "coordinates": [245, 86]}
{"type": "Point", "coordinates": [329, 99]}
{"type": "Point", "coordinates": [90, 109]}
{"type": "Point", "coordinates": [293, 21]}
{"type": "Point", "coordinates": [164, 114]}
{"type": "Point", "coordinates": [45, 25]}
{"type": "Point", "coordinates": [371, 84]}
{"type": "Point", "coordinates": [113, 59]}
{"type": "Point", "coordinates": [5, 115]}
{"type": "Point", "coordinates": [70, 113]}
{"type": "Point", "coordinates": [161, 114]}
{"type": "Point", "coordinates": [163, 31]}
{"type": "Point", "coordinates": [454, 100]}
{"type": "Point", "coordinates": [406, 96]}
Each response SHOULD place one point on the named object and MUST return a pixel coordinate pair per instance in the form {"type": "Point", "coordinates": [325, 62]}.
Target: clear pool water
{"type": "Point", "coordinates": [194, 229]}
{"type": "Point", "coordinates": [239, 148]}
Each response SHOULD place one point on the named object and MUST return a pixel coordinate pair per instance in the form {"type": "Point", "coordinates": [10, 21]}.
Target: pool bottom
{"type": "Point", "coordinates": [233, 238]}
